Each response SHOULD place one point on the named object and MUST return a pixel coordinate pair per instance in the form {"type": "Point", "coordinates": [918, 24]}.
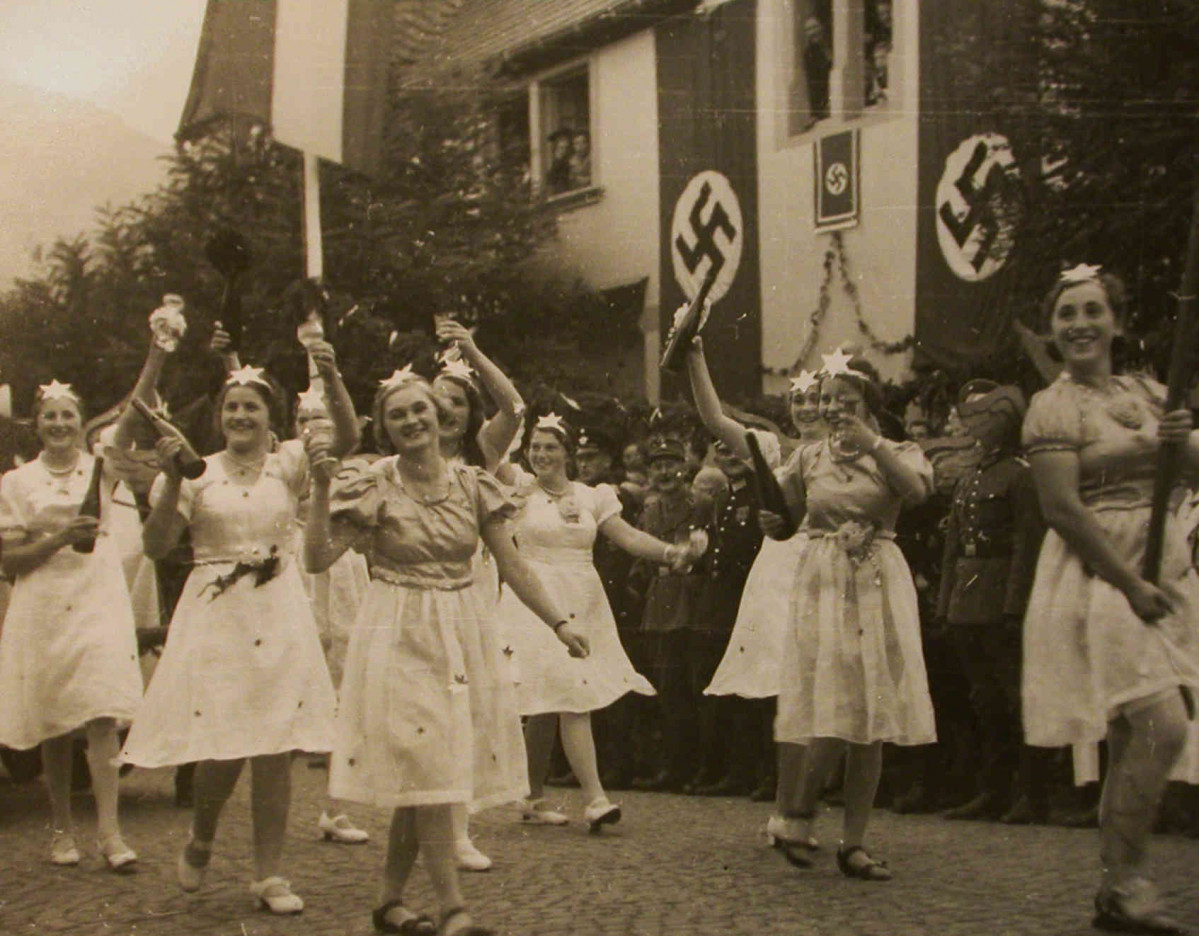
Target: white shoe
{"type": "Point", "coordinates": [538, 812]}
{"type": "Point", "coordinates": [339, 829]}
{"type": "Point", "coordinates": [601, 812]}
{"type": "Point", "coordinates": [63, 850]}
{"type": "Point", "coordinates": [274, 895]}
{"type": "Point", "coordinates": [782, 831]}
{"type": "Point", "coordinates": [192, 864]}
{"type": "Point", "coordinates": [470, 858]}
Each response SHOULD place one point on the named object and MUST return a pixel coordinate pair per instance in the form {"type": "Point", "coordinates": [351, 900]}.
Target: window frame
{"type": "Point", "coordinates": [538, 133]}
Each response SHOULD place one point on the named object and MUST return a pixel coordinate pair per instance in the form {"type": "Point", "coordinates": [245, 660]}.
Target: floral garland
{"type": "Point", "coordinates": [835, 255]}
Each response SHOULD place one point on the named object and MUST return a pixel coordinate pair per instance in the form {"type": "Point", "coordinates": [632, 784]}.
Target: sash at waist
{"type": "Point", "coordinates": [408, 578]}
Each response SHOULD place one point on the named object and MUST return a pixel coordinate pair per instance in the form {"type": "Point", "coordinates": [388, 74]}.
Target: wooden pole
{"type": "Point", "coordinates": [1170, 457]}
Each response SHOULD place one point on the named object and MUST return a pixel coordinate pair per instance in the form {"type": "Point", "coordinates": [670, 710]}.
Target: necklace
{"type": "Point", "coordinates": [428, 492]}
{"type": "Point", "coordinates": [245, 468]}
{"type": "Point", "coordinates": [552, 494]}
{"type": "Point", "coordinates": [60, 472]}
{"type": "Point", "coordinates": [1119, 405]}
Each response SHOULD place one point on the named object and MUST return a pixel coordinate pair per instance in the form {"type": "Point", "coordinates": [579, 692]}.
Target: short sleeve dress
{"type": "Point", "coordinates": [242, 673]}
{"type": "Point", "coordinates": [555, 536]}
{"type": "Point", "coordinates": [852, 661]}
{"type": "Point", "coordinates": [1086, 652]}
{"type": "Point", "coordinates": [68, 653]}
{"type": "Point", "coordinates": [428, 710]}
{"type": "Point", "coordinates": [750, 666]}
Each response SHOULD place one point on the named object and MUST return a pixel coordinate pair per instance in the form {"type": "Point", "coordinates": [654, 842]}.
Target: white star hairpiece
{"type": "Point", "coordinates": [551, 421]}
{"type": "Point", "coordinates": [55, 390]}
{"type": "Point", "coordinates": [399, 377]}
{"type": "Point", "coordinates": [837, 364]}
{"type": "Point", "coordinates": [244, 376]}
{"type": "Point", "coordinates": [1083, 273]}
{"type": "Point", "coordinates": [804, 382]}
{"type": "Point", "coordinates": [457, 367]}
{"type": "Point", "coordinates": [311, 400]}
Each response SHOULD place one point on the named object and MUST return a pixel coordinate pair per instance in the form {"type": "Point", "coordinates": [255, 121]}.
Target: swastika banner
{"type": "Point", "coordinates": [708, 159]}
{"type": "Point", "coordinates": [836, 180]}
{"type": "Point", "coordinates": [969, 186]}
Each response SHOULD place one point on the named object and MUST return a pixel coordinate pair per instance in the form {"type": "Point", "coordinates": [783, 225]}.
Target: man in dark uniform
{"type": "Point", "coordinates": [991, 547]}
{"type": "Point", "coordinates": [726, 722]}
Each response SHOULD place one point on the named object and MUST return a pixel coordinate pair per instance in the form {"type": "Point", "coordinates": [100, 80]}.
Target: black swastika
{"type": "Point", "coordinates": [705, 233]}
{"type": "Point", "coordinates": [980, 204]}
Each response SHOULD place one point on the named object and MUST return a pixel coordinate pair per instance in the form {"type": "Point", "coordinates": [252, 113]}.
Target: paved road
{"type": "Point", "coordinates": [676, 865]}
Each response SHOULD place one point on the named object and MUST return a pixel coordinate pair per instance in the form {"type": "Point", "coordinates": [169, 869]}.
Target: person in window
{"type": "Point", "coordinates": [580, 159]}
{"type": "Point", "coordinates": [557, 179]}
{"type": "Point", "coordinates": [817, 64]}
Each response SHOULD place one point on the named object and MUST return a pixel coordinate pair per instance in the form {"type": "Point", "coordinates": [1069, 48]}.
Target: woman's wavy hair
{"type": "Point", "coordinates": [272, 396]}
{"type": "Point", "coordinates": [867, 376]}
{"type": "Point", "coordinates": [1113, 287]}
{"type": "Point", "coordinates": [472, 452]}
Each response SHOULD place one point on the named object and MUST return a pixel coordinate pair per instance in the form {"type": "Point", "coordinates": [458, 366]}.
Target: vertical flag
{"type": "Point", "coordinates": [708, 163]}
{"type": "Point", "coordinates": [836, 180]}
{"type": "Point", "coordinates": [314, 71]}
{"type": "Point", "coordinates": [969, 193]}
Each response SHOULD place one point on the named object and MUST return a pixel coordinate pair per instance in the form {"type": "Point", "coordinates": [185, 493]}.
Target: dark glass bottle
{"type": "Point", "coordinates": [766, 486]}
{"type": "Point", "coordinates": [91, 505]}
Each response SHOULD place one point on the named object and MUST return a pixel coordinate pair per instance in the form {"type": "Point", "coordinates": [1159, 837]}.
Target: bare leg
{"type": "Point", "coordinates": [1142, 748]}
{"type": "Point", "coordinates": [540, 731]}
{"type": "Point", "coordinates": [56, 766]}
{"type": "Point", "coordinates": [214, 783]}
{"type": "Point", "coordinates": [102, 749]}
{"type": "Point", "coordinates": [863, 768]}
{"type": "Point", "coordinates": [270, 799]}
{"type": "Point", "coordinates": [579, 745]}
{"type": "Point", "coordinates": [435, 831]}
{"type": "Point", "coordinates": [790, 772]}
{"type": "Point", "coordinates": [402, 849]}
{"type": "Point", "coordinates": [822, 756]}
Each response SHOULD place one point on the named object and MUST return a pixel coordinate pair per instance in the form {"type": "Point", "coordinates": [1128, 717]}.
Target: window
{"type": "Point", "coordinates": [566, 125]}
{"type": "Point", "coordinates": [838, 59]}
{"type": "Point", "coordinates": [812, 26]}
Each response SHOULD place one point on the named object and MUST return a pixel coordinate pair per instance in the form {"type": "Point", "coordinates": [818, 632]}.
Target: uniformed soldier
{"type": "Point", "coordinates": [991, 546]}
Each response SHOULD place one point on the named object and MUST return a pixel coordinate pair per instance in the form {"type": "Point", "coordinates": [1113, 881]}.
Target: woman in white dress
{"type": "Point", "coordinates": [752, 662]}
{"type": "Point", "coordinates": [853, 669]}
{"type": "Point", "coordinates": [428, 709]}
{"type": "Point", "coordinates": [470, 437]}
{"type": "Point", "coordinates": [68, 653]}
{"type": "Point", "coordinates": [242, 676]}
{"type": "Point", "coordinates": [555, 532]}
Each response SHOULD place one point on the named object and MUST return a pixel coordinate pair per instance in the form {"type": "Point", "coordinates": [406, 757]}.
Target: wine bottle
{"type": "Point", "coordinates": [688, 326]}
{"type": "Point", "coordinates": [767, 488]}
{"type": "Point", "coordinates": [190, 464]}
{"type": "Point", "coordinates": [91, 505]}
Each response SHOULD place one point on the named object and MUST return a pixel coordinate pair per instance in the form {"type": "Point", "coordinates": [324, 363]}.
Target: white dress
{"type": "Point", "coordinates": [68, 653]}
{"type": "Point", "coordinates": [428, 710]}
{"type": "Point", "coordinates": [752, 661]}
{"type": "Point", "coordinates": [242, 672]}
{"type": "Point", "coordinates": [555, 536]}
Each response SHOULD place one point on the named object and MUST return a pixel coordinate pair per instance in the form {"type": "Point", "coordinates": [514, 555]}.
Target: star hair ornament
{"type": "Point", "coordinates": [311, 400]}
{"type": "Point", "coordinates": [1083, 273]}
{"type": "Point", "coordinates": [399, 377]}
{"type": "Point", "coordinates": [837, 364]}
{"type": "Point", "coordinates": [246, 375]}
{"type": "Point", "coordinates": [804, 382]}
{"type": "Point", "coordinates": [456, 367]}
{"type": "Point", "coordinates": [56, 390]}
{"type": "Point", "coordinates": [551, 421]}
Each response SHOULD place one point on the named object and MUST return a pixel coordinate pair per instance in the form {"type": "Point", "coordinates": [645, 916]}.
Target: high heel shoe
{"type": "Point", "coordinates": [275, 896]}
{"type": "Point", "coordinates": [339, 829]}
{"type": "Point", "coordinates": [599, 813]}
{"type": "Point", "coordinates": [119, 857]}
{"type": "Point", "coordinates": [63, 850]}
{"type": "Point", "coordinates": [866, 869]}
{"type": "Point", "coordinates": [538, 812]}
{"type": "Point", "coordinates": [792, 836]}
{"type": "Point", "coordinates": [412, 925]}
{"type": "Point", "coordinates": [192, 865]}
{"type": "Point", "coordinates": [1132, 907]}
{"type": "Point", "coordinates": [470, 858]}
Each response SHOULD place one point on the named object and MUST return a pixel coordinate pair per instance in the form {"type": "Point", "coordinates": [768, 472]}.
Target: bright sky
{"type": "Point", "coordinates": [132, 57]}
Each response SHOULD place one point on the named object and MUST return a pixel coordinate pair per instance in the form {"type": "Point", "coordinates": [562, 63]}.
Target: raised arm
{"type": "Point", "coordinates": [707, 401]}
{"type": "Point", "coordinates": [324, 539]}
{"type": "Point", "coordinates": [144, 390]}
{"type": "Point", "coordinates": [498, 432]}
{"type": "Point", "coordinates": [346, 433]}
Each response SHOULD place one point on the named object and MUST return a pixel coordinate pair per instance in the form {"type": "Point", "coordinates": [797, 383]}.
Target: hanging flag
{"type": "Point", "coordinates": [969, 191]}
{"type": "Point", "coordinates": [708, 163]}
{"type": "Point", "coordinates": [314, 71]}
{"type": "Point", "coordinates": [836, 180]}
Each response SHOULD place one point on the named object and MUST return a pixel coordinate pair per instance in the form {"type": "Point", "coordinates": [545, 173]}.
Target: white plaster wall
{"type": "Point", "coordinates": [881, 249]}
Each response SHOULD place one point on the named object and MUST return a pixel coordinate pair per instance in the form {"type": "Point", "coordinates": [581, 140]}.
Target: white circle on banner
{"type": "Point", "coordinates": [836, 178]}
{"type": "Point", "coordinates": [706, 229]}
{"type": "Point", "coordinates": [978, 206]}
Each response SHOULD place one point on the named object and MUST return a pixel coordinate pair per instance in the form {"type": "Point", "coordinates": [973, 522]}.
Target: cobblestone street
{"type": "Point", "coordinates": [675, 865]}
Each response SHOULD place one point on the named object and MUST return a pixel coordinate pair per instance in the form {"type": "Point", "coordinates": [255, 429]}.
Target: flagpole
{"type": "Point", "coordinates": [314, 257]}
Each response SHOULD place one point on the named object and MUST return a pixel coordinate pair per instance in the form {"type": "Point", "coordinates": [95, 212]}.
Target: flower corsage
{"type": "Point", "coordinates": [856, 539]}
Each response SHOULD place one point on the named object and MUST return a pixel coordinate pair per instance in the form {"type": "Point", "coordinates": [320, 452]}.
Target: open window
{"type": "Point", "coordinates": [565, 116]}
{"type": "Point", "coordinates": [811, 74]}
